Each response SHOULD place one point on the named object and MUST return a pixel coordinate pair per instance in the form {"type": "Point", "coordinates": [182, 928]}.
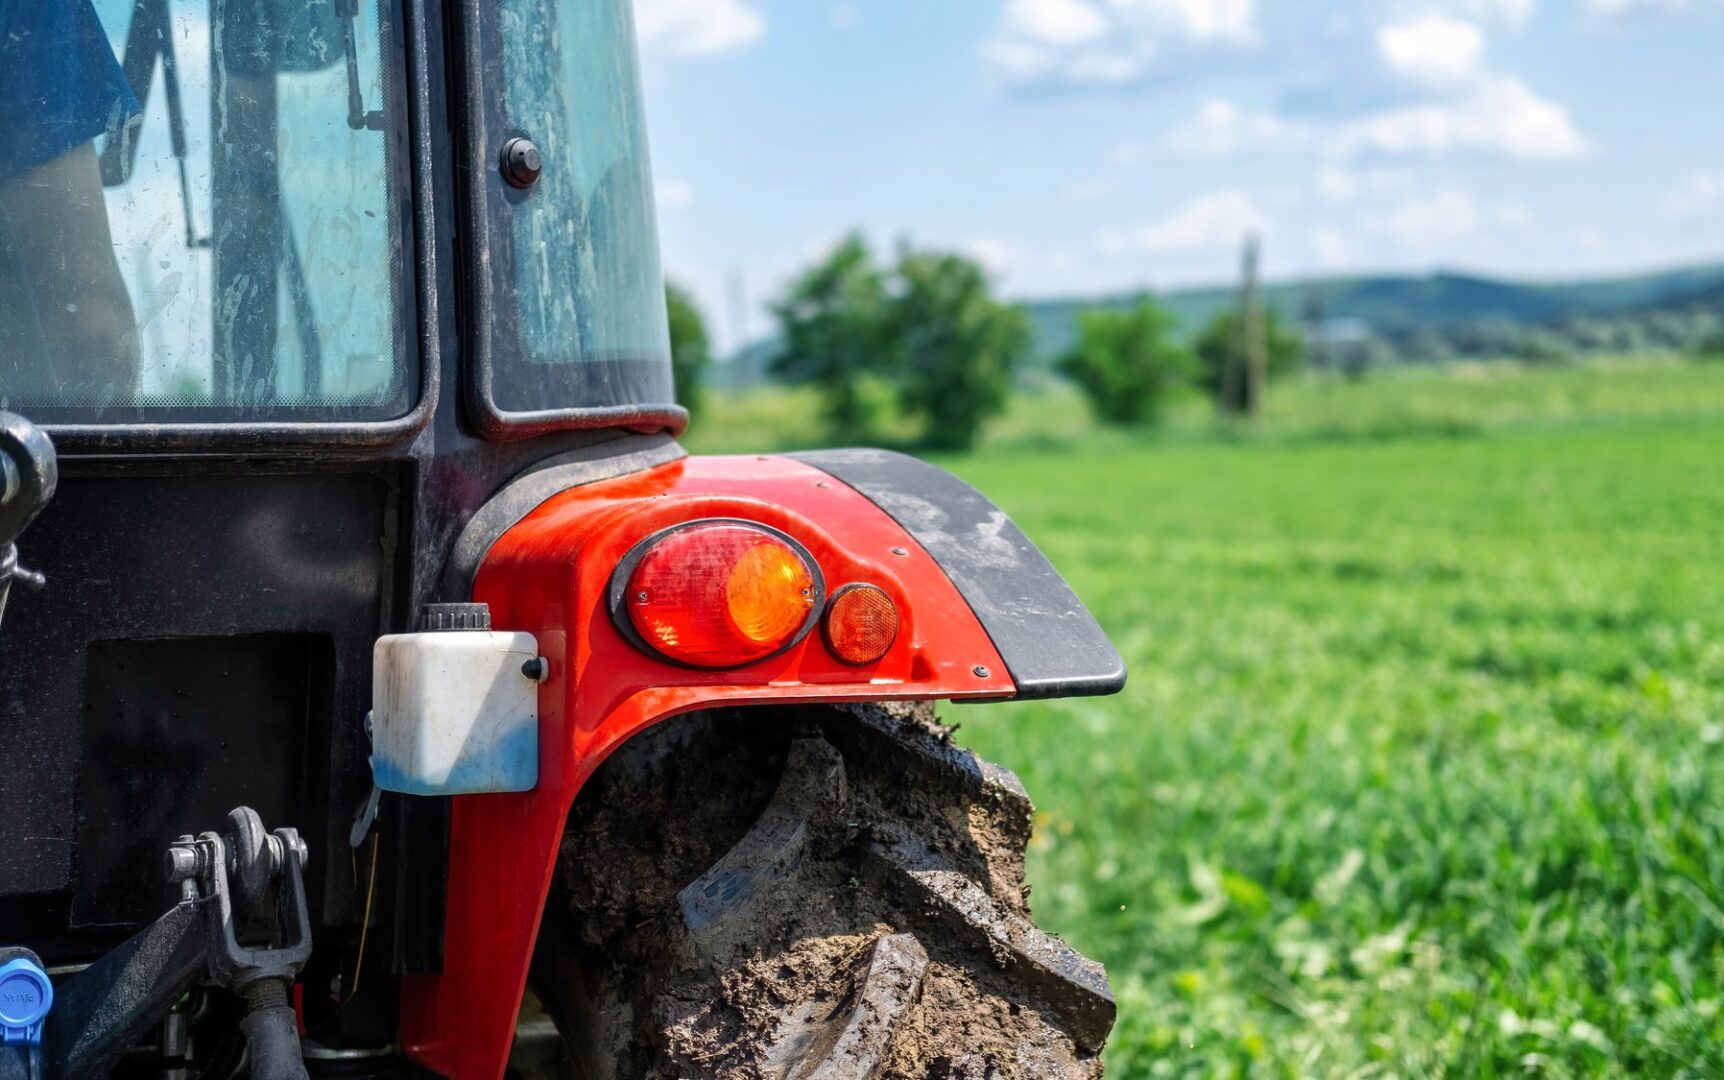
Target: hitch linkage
{"type": "Point", "coordinates": [241, 922]}
{"type": "Point", "coordinates": [261, 974]}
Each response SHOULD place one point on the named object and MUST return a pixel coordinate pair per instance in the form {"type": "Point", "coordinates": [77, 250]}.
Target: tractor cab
{"type": "Point", "coordinates": [349, 567]}
{"type": "Point", "coordinates": [247, 241]}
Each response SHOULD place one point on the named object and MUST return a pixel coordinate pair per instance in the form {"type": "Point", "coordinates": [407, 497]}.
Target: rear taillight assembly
{"type": "Point", "coordinates": [717, 594]}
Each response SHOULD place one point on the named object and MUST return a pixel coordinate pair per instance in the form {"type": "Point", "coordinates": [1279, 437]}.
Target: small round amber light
{"type": "Point", "coordinates": [861, 624]}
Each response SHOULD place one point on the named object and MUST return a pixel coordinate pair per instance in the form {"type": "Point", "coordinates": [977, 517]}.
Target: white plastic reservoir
{"type": "Point", "coordinates": [453, 713]}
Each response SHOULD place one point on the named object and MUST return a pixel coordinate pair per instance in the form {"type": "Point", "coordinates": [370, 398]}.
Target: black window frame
{"type": "Point", "coordinates": [408, 165]}
{"type": "Point", "coordinates": [488, 261]}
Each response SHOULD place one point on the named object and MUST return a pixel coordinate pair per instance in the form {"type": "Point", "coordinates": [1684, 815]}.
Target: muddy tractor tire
{"type": "Point", "coordinates": [828, 892]}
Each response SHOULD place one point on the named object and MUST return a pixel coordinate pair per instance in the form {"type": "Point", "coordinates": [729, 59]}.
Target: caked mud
{"type": "Point", "coordinates": [809, 893]}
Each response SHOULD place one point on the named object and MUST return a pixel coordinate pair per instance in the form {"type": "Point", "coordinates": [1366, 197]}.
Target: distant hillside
{"type": "Point", "coordinates": [1414, 317]}
{"type": "Point", "coordinates": [1400, 306]}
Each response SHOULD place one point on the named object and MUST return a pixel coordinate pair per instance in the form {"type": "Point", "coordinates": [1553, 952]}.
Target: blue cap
{"type": "Point", "coordinates": [26, 995]}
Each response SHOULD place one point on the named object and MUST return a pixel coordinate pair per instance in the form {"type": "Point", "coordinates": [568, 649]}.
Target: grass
{"type": "Point", "coordinates": [1421, 766]}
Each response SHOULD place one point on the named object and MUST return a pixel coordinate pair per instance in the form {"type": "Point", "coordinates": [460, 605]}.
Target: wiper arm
{"type": "Point", "coordinates": [149, 37]}
{"type": "Point", "coordinates": [357, 118]}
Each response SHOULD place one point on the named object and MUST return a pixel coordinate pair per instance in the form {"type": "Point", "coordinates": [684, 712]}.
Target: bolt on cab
{"type": "Point", "coordinates": [351, 570]}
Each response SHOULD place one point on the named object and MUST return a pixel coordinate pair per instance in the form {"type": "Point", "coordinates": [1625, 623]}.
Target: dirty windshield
{"type": "Point", "coordinates": [586, 266]}
{"type": "Point", "coordinates": [194, 213]}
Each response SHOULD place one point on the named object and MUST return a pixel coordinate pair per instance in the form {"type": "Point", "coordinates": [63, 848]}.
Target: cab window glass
{"type": "Point", "coordinates": [195, 211]}
{"type": "Point", "coordinates": [585, 243]}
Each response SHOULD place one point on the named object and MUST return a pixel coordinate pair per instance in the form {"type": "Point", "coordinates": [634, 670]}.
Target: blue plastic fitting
{"type": "Point", "coordinates": [26, 995]}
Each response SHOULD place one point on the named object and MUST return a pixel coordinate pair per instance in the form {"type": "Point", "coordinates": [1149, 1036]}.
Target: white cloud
{"type": "Point", "coordinates": [1499, 113]}
{"type": "Point", "coordinates": [1433, 50]}
{"type": "Point", "coordinates": [1470, 107]}
{"type": "Point", "coordinates": [1223, 129]}
{"type": "Point", "coordinates": [1427, 220]}
{"type": "Point", "coordinates": [1216, 220]}
{"type": "Point", "coordinates": [1616, 8]}
{"type": "Point", "coordinates": [998, 257]}
{"type": "Point", "coordinates": [1107, 42]}
{"type": "Point", "coordinates": [1341, 185]}
{"type": "Point", "coordinates": [1091, 190]}
{"type": "Point", "coordinates": [1055, 22]}
{"type": "Point", "coordinates": [1199, 20]}
{"type": "Point", "coordinates": [1490, 113]}
{"type": "Point", "coordinates": [1329, 246]}
{"type": "Point", "coordinates": [674, 194]}
{"type": "Point", "coordinates": [1510, 13]}
{"type": "Point", "coordinates": [696, 27]}
{"type": "Point", "coordinates": [1027, 62]}
{"type": "Point", "coordinates": [1512, 215]}
{"type": "Point", "coordinates": [1697, 195]}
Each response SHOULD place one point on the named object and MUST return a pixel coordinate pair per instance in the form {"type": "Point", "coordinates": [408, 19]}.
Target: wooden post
{"type": "Point", "coordinates": [1256, 344]}
{"type": "Point", "coordinates": [1248, 362]}
{"type": "Point", "coordinates": [1317, 329]}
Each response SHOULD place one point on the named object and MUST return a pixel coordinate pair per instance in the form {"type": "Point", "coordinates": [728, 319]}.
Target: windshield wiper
{"type": "Point", "coordinates": [149, 37]}
{"type": "Point", "coordinates": [357, 118]}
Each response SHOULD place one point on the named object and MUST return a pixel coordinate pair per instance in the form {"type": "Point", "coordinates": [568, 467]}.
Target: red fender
{"type": "Point", "coordinates": [549, 575]}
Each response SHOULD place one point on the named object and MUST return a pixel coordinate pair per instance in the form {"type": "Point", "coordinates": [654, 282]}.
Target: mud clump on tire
{"type": "Point", "coordinates": [809, 893]}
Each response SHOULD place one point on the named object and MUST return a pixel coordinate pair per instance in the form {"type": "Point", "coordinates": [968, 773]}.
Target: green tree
{"type": "Point", "coordinates": [1540, 347]}
{"type": "Point", "coordinates": [1126, 363]}
{"type": "Point", "coordinates": [831, 323]}
{"type": "Point", "coordinates": [690, 351]}
{"type": "Point", "coordinates": [953, 347]}
{"type": "Point", "coordinates": [1222, 338]}
{"type": "Point", "coordinates": [1712, 348]}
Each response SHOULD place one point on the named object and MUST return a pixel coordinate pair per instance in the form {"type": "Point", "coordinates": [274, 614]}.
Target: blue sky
{"type": "Point", "coordinates": [1090, 146]}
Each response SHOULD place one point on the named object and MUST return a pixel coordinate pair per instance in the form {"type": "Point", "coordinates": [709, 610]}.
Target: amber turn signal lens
{"type": "Point", "coordinates": [720, 595]}
{"type": "Point", "coordinates": [861, 624]}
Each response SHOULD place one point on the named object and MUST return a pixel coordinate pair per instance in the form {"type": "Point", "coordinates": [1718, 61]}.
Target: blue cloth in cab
{"type": "Point", "coordinates": [60, 85]}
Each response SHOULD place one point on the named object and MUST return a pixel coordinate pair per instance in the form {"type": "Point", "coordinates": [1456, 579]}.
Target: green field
{"type": "Point", "coordinates": [1421, 766]}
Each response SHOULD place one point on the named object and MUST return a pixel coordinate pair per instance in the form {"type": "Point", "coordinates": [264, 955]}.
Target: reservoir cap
{"type": "Point", "coordinates": [26, 995]}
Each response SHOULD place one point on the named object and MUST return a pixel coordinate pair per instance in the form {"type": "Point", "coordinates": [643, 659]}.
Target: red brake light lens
{"type": "Point", "coordinates": [861, 624]}
{"type": "Point", "coordinates": [720, 595]}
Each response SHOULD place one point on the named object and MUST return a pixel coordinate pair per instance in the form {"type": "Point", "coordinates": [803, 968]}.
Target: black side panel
{"type": "Point", "coordinates": [177, 732]}
{"type": "Point", "coordinates": [1049, 640]}
{"type": "Point", "coordinates": [205, 630]}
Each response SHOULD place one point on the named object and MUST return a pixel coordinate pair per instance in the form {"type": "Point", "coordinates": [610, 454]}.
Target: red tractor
{"type": "Point", "coordinates": [369, 521]}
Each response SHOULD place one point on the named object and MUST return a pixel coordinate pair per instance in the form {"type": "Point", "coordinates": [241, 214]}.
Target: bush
{"type": "Point", "coordinates": [954, 345]}
{"type": "Point", "coordinates": [1540, 347]}
{"type": "Point", "coordinates": [690, 350]}
{"type": "Point", "coordinates": [1126, 363]}
{"type": "Point", "coordinates": [928, 329]}
{"type": "Point", "coordinates": [831, 321]}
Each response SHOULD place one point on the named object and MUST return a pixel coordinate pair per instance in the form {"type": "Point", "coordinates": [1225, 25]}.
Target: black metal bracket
{"type": "Point", "coordinates": [104, 1010]}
